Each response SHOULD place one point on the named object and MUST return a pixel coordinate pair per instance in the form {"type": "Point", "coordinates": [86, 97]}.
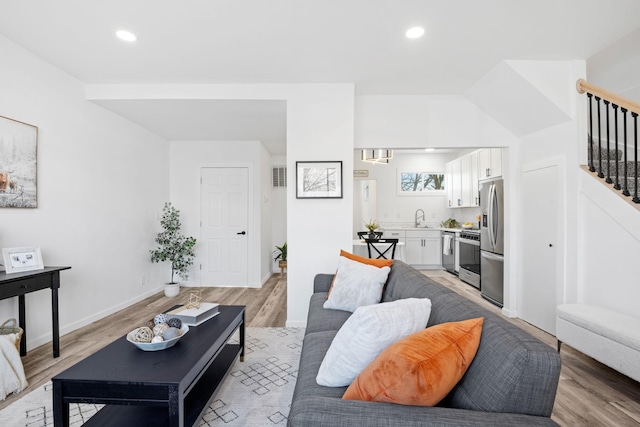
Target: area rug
{"type": "Point", "coordinates": [257, 392]}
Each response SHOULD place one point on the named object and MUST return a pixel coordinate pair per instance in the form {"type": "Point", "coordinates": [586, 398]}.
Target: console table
{"type": "Point", "coordinates": [20, 284]}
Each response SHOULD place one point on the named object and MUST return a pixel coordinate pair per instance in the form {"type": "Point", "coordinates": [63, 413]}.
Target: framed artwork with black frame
{"type": "Point", "coordinates": [319, 180]}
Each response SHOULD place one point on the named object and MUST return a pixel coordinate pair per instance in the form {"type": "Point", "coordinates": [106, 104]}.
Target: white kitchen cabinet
{"type": "Point", "coordinates": [462, 175]}
{"type": "Point", "coordinates": [465, 180]}
{"type": "Point", "coordinates": [456, 182]}
{"type": "Point", "coordinates": [475, 187]}
{"type": "Point", "coordinates": [469, 175]}
{"type": "Point", "coordinates": [490, 163]}
{"type": "Point", "coordinates": [423, 248]}
{"type": "Point", "coordinates": [448, 171]}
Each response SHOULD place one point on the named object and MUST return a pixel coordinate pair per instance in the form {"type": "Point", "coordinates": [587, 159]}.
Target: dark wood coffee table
{"type": "Point", "coordinates": [171, 387]}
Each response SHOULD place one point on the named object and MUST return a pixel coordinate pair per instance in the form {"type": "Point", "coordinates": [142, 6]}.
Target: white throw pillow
{"type": "Point", "coordinates": [366, 333]}
{"type": "Point", "coordinates": [356, 284]}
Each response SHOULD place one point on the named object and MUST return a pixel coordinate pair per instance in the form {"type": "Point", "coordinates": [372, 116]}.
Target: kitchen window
{"type": "Point", "coordinates": [420, 183]}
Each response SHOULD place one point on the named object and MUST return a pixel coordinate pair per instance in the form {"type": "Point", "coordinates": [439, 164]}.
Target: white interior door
{"type": "Point", "coordinates": [540, 239]}
{"type": "Point", "coordinates": [223, 226]}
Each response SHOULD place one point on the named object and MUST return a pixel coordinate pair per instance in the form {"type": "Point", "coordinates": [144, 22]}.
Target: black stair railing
{"type": "Point", "coordinates": [635, 154]}
{"type": "Point", "coordinates": [615, 126]}
{"type": "Point", "coordinates": [608, 154]}
{"type": "Point", "coordinates": [600, 173]}
{"type": "Point", "coordinates": [625, 191]}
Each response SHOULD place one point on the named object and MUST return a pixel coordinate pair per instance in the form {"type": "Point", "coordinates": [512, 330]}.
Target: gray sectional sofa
{"type": "Point", "coordinates": [512, 380]}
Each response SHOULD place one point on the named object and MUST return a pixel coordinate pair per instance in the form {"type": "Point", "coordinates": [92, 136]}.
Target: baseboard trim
{"type": "Point", "coordinates": [48, 337]}
{"type": "Point", "coordinates": [510, 313]}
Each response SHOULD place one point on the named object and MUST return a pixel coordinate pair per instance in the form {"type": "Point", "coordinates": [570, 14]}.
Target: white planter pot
{"type": "Point", "coordinates": [171, 290]}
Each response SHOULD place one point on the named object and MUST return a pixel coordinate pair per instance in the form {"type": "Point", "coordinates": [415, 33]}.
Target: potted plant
{"type": "Point", "coordinates": [450, 223]}
{"type": "Point", "coordinates": [173, 247]}
{"type": "Point", "coordinates": [372, 226]}
{"type": "Point", "coordinates": [280, 255]}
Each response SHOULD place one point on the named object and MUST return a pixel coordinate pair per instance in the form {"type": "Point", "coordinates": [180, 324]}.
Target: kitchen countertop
{"type": "Point", "coordinates": [422, 229]}
{"type": "Point", "coordinates": [454, 230]}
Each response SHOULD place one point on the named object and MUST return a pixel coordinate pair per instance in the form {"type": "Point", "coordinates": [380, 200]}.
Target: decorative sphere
{"type": "Point", "coordinates": [160, 318]}
{"type": "Point", "coordinates": [150, 324]}
{"type": "Point", "coordinates": [142, 334]}
{"type": "Point", "coordinates": [171, 333]}
{"type": "Point", "coordinates": [159, 329]}
{"type": "Point", "coordinates": [157, 339]}
{"type": "Point", "coordinates": [174, 322]}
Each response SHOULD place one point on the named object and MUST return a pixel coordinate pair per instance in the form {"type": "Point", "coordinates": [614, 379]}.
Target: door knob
{"type": "Point", "coordinates": [243, 233]}
{"type": "Point", "coordinates": [550, 245]}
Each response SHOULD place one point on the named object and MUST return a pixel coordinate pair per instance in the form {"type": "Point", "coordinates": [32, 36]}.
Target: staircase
{"type": "Point", "coordinates": [611, 168]}
{"type": "Point", "coordinates": [613, 140]}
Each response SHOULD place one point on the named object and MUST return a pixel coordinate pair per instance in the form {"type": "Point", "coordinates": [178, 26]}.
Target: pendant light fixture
{"type": "Point", "coordinates": [381, 156]}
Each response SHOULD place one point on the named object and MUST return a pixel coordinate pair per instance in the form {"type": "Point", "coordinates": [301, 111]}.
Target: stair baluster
{"type": "Point", "coordinates": [615, 121]}
{"type": "Point", "coordinates": [635, 155]}
{"type": "Point", "coordinates": [625, 191]}
{"type": "Point", "coordinates": [600, 174]}
{"type": "Point", "coordinates": [592, 167]}
{"type": "Point", "coordinates": [606, 110]}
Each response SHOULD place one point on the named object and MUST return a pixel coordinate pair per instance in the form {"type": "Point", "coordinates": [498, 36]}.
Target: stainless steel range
{"type": "Point", "coordinates": [470, 257]}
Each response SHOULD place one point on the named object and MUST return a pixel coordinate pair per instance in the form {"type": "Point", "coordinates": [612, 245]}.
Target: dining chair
{"type": "Point", "coordinates": [380, 250]}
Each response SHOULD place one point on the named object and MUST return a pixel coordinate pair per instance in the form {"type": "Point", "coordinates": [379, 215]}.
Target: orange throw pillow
{"type": "Point", "coordinates": [375, 262]}
{"type": "Point", "coordinates": [423, 368]}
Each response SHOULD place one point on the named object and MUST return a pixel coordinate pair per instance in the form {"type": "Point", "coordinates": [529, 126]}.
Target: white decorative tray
{"type": "Point", "coordinates": [155, 346]}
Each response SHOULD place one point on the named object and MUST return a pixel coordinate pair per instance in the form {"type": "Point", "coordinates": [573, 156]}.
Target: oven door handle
{"type": "Point", "coordinates": [469, 242]}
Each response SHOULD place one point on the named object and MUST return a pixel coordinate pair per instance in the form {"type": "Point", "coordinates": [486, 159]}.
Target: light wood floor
{"type": "Point", "coordinates": [589, 394]}
{"type": "Point", "coordinates": [264, 307]}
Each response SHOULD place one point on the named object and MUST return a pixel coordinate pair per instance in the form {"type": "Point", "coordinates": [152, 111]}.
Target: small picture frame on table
{"type": "Point", "coordinates": [17, 260]}
{"type": "Point", "coordinates": [319, 180]}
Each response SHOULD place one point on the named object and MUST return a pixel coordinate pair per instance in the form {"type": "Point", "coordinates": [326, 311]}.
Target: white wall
{"type": "Point", "coordinates": [609, 244]}
{"type": "Point", "coordinates": [101, 182]}
{"type": "Point", "coordinates": [187, 158]}
{"type": "Point", "coordinates": [266, 215]}
{"type": "Point", "coordinates": [614, 67]}
{"type": "Point", "coordinates": [425, 121]}
{"type": "Point", "coordinates": [319, 127]}
{"type": "Point", "coordinates": [279, 208]}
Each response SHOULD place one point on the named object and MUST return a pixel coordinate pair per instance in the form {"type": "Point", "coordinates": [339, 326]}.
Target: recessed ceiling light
{"type": "Point", "coordinates": [415, 32]}
{"type": "Point", "coordinates": [126, 36]}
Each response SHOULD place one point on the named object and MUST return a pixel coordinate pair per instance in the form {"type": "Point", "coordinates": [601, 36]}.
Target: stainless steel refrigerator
{"type": "Point", "coordinates": [492, 241]}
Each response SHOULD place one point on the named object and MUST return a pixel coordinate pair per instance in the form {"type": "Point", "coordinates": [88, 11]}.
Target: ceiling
{"type": "Point", "coordinates": [209, 120]}
{"type": "Point", "coordinates": [300, 41]}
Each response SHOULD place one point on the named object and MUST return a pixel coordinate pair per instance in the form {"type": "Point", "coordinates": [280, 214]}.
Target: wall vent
{"type": "Point", "coordinates": [279, 176]}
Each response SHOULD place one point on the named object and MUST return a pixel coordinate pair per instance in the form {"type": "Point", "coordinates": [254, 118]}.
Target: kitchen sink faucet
{"type": "Point", "coordinates": [417, 217]}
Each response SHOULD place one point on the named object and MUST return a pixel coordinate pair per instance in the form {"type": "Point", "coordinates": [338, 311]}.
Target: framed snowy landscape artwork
{"type": "Point", "coordinates": [319, 180]}
{"type": "Point", "coordinates": [18, 168]}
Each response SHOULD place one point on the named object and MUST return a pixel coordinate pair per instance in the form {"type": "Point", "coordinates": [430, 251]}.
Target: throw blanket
{"type": "Point", "coordinates": [12, 378]}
